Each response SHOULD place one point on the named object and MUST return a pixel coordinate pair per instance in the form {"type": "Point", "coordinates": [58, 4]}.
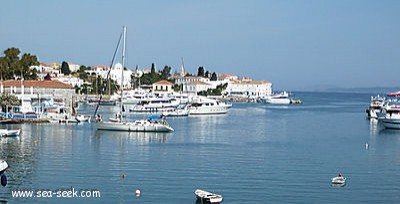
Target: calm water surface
{"type": "Point", "coordinates": [256, 153]}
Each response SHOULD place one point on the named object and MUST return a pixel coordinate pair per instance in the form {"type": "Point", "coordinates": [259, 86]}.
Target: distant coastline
{"type": "Point", "coordinates": [372, 90]}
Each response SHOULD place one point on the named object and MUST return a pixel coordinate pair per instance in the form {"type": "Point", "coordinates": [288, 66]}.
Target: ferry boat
{"type": "Point", "coordinates": [207, 106]}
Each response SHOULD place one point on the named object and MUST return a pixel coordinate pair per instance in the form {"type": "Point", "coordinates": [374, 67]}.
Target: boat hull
{"type": "Point", "coordinates": [10, 133]}
{"type": "Point", "coordinates": [133, 127]}
{"type": "Point", "coordinates": [3, 167]}
{"type": "Point", "coordinates": [391, 123]}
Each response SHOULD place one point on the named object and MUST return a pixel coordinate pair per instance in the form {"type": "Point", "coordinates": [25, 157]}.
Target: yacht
{"type": "Point", "coordinates": [152, 103]}
{"type": "Point", "coordinates": [280, 98]}
{"type": "Point", "coordinates": [207, 106]}
{"type": "Point", "coordinates": [375, 106]}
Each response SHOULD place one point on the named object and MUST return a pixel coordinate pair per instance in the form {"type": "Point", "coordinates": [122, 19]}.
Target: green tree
{"type": "Point", "coordinates": [165, 73]}
{"type": "Point", "coordinates": [153, 68]}
{"type": "Point", "coordinates": [207, 74]}
{"type": "Point", "coordinates": [11, 66]}
{"type": "Point", "coordinates": [214, 77]}
{"type": "Point", "coordinates": [7, 100]}
{"type": "Point", "coordinates": [65, 68]}
{"type": "Point", "coordinates": [200, 72]}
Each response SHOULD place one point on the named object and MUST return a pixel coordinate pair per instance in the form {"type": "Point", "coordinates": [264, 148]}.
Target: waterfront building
{"type": "Point", "coordinates": [195, 87]}
{"type": "Point", "coordinates": [34, 90]}
{"type": "Point", "coordinates": [163, 85]}
{"type": "Point", "coordinates": [247, 88]}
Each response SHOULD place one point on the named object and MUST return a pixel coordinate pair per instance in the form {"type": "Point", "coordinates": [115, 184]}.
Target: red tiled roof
{"type": "Point", "coordinates": [37, 84]}
{"type": "Point", "coordinates": [164, 82]}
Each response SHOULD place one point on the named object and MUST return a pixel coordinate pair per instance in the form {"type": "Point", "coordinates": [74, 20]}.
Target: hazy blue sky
{"type": "Point", "coordinates": [296, 44]}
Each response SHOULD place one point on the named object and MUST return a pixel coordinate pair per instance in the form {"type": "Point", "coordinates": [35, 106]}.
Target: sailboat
{"type": "Point", "coordinates": [151, 124]}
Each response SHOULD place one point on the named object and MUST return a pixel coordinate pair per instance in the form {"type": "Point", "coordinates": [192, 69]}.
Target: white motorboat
{"type": "Point", "coordinates": [280, 98]}
{"type": "Point", "coordinates": [208, 197]}
{"type": "Point", "coordinates": [375, 106]}
{"type": "Point", "coordinates": [3, 168]}
{"type": "Point", "coordinates": [339, 180]}
{"type": "Point", "coordinates": [10, 133]}
{"type": "Point", "coordinates": [151, 104]}
{"type": "Point", "coordinates": [207, 106]}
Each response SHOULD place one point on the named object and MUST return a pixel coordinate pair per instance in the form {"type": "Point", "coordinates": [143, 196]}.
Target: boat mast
{"type": "Point", "coordinates": [123, 66]}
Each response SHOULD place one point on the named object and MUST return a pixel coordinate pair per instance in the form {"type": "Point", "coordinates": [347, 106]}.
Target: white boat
{"type": "Point", "coordinates": [208, 197]}
{"type": "Point", "coordinates": [83, 118]}
{"type": "Point", "coordinates": [10, 133]}
{"type": "Point", "coordinates": [339, 180]}
{"type": "Point", "coordinates": [207, 106]}
{"type": "Point", "coordinates": [152, 103]}
{"type": "Point", "coordinates": [177, 112]}
{"type": "Point", "coordinates": [280, 98]}
{"type": "Point", "coordinates": [3, 168]}
{"type": "Point", "coordinates": [375, 106]}
{"type": "Point", "coordinates": [149, 125]}
{"type": "Point", "coordinates": [152, 124]}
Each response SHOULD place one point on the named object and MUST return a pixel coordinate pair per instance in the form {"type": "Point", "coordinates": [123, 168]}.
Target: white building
{"type": "Point", "coordinates": [163, 85]}
{"type": "Point", "coordinates": [115, 74]}
{"type": "Point", "coordinates": [195, 87]}
{"type": "Point", "coordinates": [249, 88]}
{"type": "Point", "coordinates": [73, 81]}
{"type": "Point", "coordinates": [73, 67]}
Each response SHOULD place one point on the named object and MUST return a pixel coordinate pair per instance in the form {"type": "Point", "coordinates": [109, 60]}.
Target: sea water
{"type": "Point", "coordinates": [256, 153]}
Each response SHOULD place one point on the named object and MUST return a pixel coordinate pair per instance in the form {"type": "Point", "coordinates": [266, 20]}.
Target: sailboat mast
{"type": "Point", "coordinates": [123, 66]}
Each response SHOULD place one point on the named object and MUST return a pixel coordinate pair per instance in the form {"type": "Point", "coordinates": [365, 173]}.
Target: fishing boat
{"type": "Point", "coordinates": [152, 124]}
{"type": "Point", "coordinates": [10, 133]}
{"type": "Point", "coordinates": [207, 197]}
{"type": "Point", "coordinates": [3, 168]}
{"type": "Point", "coordinates": [339, 180]}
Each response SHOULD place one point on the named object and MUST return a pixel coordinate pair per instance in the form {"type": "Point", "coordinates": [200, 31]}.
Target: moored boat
{"type": "Point", "coordinates": [10, 133]}
{"type": "Point", "coordinates": [280, 98]}
{"type": "Point", "coordinates": [152, 124]}
{"type": "Point", "coordinates": [375, 106]}
{"type": "Point", "coordinates": [207, 106]}
{"type": "Point", "coordinates": [3, 168]}
{"type": "Point", "coordinates": [208, 197]}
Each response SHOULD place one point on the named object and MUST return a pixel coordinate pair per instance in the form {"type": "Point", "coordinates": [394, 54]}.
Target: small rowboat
{"type": "Point", "coordinates": [208, 197]}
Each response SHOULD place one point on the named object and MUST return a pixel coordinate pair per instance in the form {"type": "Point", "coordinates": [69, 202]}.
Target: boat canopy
{"type": "Point", "coordinates": [154, 117]}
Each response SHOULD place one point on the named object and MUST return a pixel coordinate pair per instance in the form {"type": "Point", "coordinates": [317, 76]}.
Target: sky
{"type": "Point", "coordinates": [295, 44]}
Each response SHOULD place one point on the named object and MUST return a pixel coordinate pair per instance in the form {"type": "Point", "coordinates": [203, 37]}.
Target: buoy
{"type": "Point", "coordinates": [122, 175]}
{"type": "Point", "coordinates": [137, 193]}
{"type": "Point", "coordinates": [366, 145]}
{"type": "Point", "coordinates": [3, 180]}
